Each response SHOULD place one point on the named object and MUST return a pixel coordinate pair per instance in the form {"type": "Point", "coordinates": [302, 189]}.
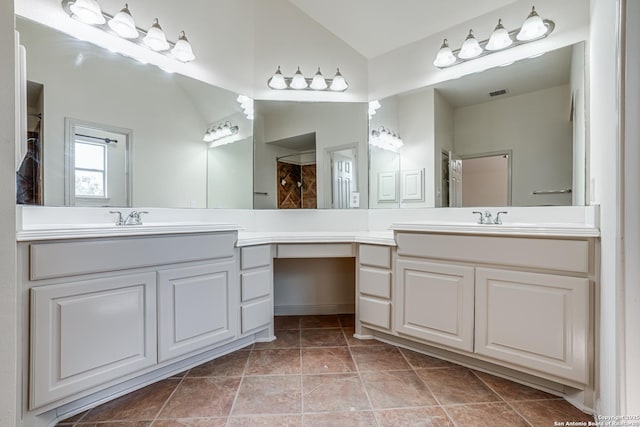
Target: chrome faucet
{"type": "Point", "coordinates": [498, 220]}
{"type": "Point", "coordinates": [134, 218]}
{"type": "Point", "coordinates": [119, 220]}
{"type": "Point", "coordinates": [485, 217]}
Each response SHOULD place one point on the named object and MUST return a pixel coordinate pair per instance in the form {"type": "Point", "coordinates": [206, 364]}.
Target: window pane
{"type": "Point", "coordinates": [89, 184]}
{"type": "Point", "coordinates": [89, 156]}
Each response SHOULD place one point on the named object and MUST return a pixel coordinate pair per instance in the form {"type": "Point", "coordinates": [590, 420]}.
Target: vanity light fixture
{"type": "Point", "coordinates": [385, 139]}
{"type": "Point", "coordinates": [299, 82]}
{"type": "Point", "coordinates": [246, 104]}
{"type": "Point", "coordinates": [222, 130]}
{"type": "Point", "coordinates": [373, 106]}
{"type": "Point", "coordinates": [533, 28]}
{"type": "Point", "coordinates": [156, 39]}
{"type": "Point", "coordinates": [123, 25]}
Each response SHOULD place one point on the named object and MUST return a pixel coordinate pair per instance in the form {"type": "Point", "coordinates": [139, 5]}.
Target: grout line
{"type": "Point", "coordinates": [364, 387]}
{"type": "Point", "coordinates": [501, 397]}
{"type": "Point", "coordinates": [235, 398]}
{"type": "Point", "coordinates": [169, 398]}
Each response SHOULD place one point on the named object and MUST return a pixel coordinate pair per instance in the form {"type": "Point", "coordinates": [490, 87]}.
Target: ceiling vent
{"type": "Point", "coordinates": [498, 92]}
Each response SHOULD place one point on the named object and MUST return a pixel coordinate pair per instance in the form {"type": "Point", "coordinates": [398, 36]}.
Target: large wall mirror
{"type": "Point", "coordinates": [310, 155]}
{"type": "Point", "coordinates": [508, 136]}
{"type": "Point", "coordinates": [129, 121]}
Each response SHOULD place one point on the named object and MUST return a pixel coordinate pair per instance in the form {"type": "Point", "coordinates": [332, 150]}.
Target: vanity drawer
{"type": "Point", "coordinates": [256, 314]}
{"type": "Point", "coordinates": [256, 284]}
{"type": "Point", "coordinates": [375, 282]}
{"type": "Point", "coordinates": [375, 312]}
{"type": "Point", "coordinates": [316, 250]}
{"type": "Point", "coordinates": [375, 255]}
{"type": "Point", "coordinates": [49, 260]}
{"type": "Point", "coordinates": [551, 254]}
{"type": "Point", "coordinates": [255, 256]}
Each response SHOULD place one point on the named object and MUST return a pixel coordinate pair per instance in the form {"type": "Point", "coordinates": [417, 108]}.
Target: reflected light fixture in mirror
{"type": "Point", "coordinates": [219, 135]}
{"type": "Point", "coordinates": [533, 28]}
{"type": "Point", "coordinates": [299, 82]}
{"type": "Point", "coordinates": [123, 25]}
{"type": "Point", "coordinates": [385, 139]}
{"type": "Point", "coordinates": [246, 104]}
{"type": "Point", "coordinates": [373, 107]}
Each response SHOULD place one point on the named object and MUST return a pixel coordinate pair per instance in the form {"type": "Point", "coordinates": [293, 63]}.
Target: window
{"type": "Point", "coordinates": [90, 170]}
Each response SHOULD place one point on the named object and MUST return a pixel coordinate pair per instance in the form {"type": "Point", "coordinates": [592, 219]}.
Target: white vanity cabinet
{"type": "Point", "coordinates": [196, 307]}
{"type": "Point", "coordinates": [87, 332]}
{"type": "Point", "coordinates": [520, 302]}
{"type": "Point", "coordinates": [256, 287]}
{"type": "Point", "coordinates": [434, 302]}
{"type": "Point", "coordinates": [374, 286]}
{"type": "Point", "coordinates": [105, 310]}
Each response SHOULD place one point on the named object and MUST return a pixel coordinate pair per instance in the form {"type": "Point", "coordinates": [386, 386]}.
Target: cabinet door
{"type": "Point", "coordinates": [434, 302]}
{"type": "Point", "coordinates": [538, 321]}
{"type": "Point", "coordinates": [197, 308]}
{"type": "Point", "coordinates": [87, 333]}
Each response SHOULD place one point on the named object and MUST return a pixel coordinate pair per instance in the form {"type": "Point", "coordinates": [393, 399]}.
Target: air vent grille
{"type": "Point", "coordinates": [498, 92]}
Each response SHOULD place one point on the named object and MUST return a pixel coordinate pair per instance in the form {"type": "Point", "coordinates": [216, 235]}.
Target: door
{"type": "Point", "coordinates": [434, 302]}
{"type": "Point", "coordinates": [97, 167]}
{"type": "Point", "coordinates": [455, 180]}
{"type": "Point", "coordinates": [87, 333]}
{"type": "Point", "coordinates": [537, 321]}
{"type": "Point", "coordinates": [343, 174]}
{"type": "Point", "coordinates": [486, 180]}
{"type": "Point", "coordinates": [197, 308]}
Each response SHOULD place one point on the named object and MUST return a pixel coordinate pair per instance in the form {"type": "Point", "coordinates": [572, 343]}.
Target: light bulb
{"type": "Point", "coordinates": [277, 81]}
{"type": "Point", "coordinates": [298, 81]}
{"type": "Point", "coordinates": [156, 39]}
{"type": "Point", "coordinates": [87, 11]}
{"type": "Point", "coordinates": [445, 56]}
{"type": "Point", "coordinates": [532, 28]}
{"type": "Point", "coordinates": [318, 82]}
{"type": "Point", "coordinates": [470, 48]}
{"type": "Point", "coordinates": [182, 51]}
{"type": "Point", "coordinates": [123, 24]}
{"type": "Point", "coordinates": [500, 38]}
{"type": "Point", "coordinates": [339, 84]}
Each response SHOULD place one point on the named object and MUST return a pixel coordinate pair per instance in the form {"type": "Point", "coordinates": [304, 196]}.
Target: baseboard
{"type": "Point", "coordinates": [303, 310]}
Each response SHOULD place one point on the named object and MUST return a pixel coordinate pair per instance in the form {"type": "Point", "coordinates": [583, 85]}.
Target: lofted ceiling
{"type": "Point", "coordinates": [375, 27]}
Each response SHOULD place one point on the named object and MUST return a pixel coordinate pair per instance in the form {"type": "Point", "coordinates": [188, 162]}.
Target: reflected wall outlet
{"type": "Point", "coordinates": [355, 200]}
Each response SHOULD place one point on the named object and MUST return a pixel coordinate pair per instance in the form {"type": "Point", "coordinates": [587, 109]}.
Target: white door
{"type": "Point", "coordinates": [97, 172]}
{"type": "Point", "coordinates": [343, 177]}
{"type": "Point", "coordinates": [455, 180]}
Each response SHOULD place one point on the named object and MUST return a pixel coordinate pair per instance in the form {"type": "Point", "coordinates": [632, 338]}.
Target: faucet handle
{"type": "Point", "coordinates": [498, 220]}
{"type": "Point", "coordinates": [139, 217]}
{"type": "Point", "coordinates": [487, 217]}
{"type": "Point", "coordinates": [481, 219]}
{"type": "Point", "coordinates": [119, 220]}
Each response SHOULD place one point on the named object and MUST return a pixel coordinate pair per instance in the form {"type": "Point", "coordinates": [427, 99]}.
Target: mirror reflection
{"type": "Point", "coordinates": [310, 155]}
{"type": "Point", "coordinates": [509, 136]}
{"type": "Point", "coordinates": [81, 95]}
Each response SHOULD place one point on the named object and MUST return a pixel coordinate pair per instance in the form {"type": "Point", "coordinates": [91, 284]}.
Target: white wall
{"type": "Point", "coordinates": [81, 82]}
{"type": "Point", "coordinates": [604, 171]}
{"type": "Point", "coordinates": [314, 286]}
{"type": "Point", "coordinates": [417, 127]}
{"type": "Point", "coordinates": [335, 125]}
{"type": "Point", "coordinates": [285, 36]}
{"type": "Point", "coordinates": [631, 396]}
{"type": "Point", "coordinates": [578, 83]}
{"type": "Point", "coordinates": [542, 148]}
{"type": "Point", "coordinates": [230, 187]}
{"type": "Point", "coordinates": [444, 139]}
{"type": "Point", "coordinates": [411, 66]}
{"type": "Point", "coordinates": [9, 328]}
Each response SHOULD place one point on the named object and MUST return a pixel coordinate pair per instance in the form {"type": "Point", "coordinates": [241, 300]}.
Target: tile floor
{"type": "Point", "coordinates": [317, 374]}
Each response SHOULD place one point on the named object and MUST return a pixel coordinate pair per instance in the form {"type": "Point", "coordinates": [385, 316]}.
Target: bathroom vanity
{"type": "Point", "coordinates": [111, 309]}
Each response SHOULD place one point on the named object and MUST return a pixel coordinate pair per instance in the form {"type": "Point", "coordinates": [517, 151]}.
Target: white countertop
{"type": "Point", "coordinates": [246, 238]}
{"type": "Point", "coordinates": [510, 229]}
{"type": "Point", "coordinates": [81, 231]}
